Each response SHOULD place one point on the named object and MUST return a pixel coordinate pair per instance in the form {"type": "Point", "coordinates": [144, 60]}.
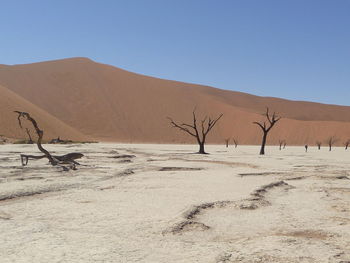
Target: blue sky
{"type": "Point", "coordinates": [294, 49]}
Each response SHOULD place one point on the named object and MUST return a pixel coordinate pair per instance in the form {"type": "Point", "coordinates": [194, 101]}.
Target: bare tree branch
{"type": "Point", "coordinates": [227, 140]}
{"type": "Point", "coordinates": [235, 141]}
{"type": "Point", "coordinates": [54, 160]}
{"type": "Point", "coordinates": [281, 143]}
{"type": "Point", "coordinates": [346, 144]}
{"type": "Point", "coordinates": [182, 127]}
{"type": "Point", "coordinates": [206, 125]}
{"type": "Point", "coordinates": [212, 123]}
{"type": "Point", "coordinates": [261, 126]}
{"type": "Point", "coordinates": [319, 144]}
{"type": "Point", "coordinates": [272, 120]}
{"type": "Point", "coordinates": [331, 141]}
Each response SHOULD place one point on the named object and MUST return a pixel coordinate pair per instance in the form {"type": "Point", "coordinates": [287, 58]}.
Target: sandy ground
{"type": "Point", "coordinates": [162, 203]}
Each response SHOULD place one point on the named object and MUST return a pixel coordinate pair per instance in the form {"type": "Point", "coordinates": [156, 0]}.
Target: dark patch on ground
{"type": "Point", "coordinates": [187, 226]}
{"type": "Point", "coordinates": [296, 178]}
{"type": "Point", "coordinates": [260, 174]}
{"type": "Point", "coordinates": [29, 178]}
{"type": "Point", "coordinates": [167, 169]}
{"type": "Point", "coordinates": [125, 161]}
{"type": "Point", "coordinates": [32, 193]}
{"type": "Point", "coordinates": [123, 156]}
{"type": "Point", "coordinates": [126, 172]}
{"type": "Point", "coordinates": [342, 177]}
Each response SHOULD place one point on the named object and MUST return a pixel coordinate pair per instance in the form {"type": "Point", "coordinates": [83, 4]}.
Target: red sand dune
{"type": "Point", "coordinates": [9, 127]}
{"type": "Point", "coordinates": [111, 104]}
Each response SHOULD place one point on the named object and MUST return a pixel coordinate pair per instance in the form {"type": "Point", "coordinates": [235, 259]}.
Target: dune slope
{"type": "Point", "coordinates": [111, 104]}
{"type": "Point", "coordinates": [53, 127]}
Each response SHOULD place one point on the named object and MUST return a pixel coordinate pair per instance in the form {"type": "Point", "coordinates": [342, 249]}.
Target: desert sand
{"type": "Point", "coordinates": [107, 103]}
{"type": "Point", "coordinates": [162, 203]}
{"type": "Point", "coordinates": [53, 127]}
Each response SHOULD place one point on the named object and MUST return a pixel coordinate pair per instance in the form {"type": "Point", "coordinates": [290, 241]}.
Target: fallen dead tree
{"type": "Point", "coordinates": [67, 159]}
{"type": "Point", "coordinates": [63, 159]}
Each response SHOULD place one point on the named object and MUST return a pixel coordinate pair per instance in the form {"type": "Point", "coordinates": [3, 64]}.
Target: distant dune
{"type": "Point", "coordinates": [52, 126]}
{"type": "Point", "coordinates": [77, 96]}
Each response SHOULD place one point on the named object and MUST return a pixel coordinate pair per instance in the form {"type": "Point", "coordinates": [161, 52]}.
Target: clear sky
{"type": "Point", "coordinates": [295, 49]}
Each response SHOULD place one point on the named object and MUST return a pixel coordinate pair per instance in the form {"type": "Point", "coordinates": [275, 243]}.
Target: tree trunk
{"type": "Point", "coordinates": [262, 150]}
{"type": "Point", "coordinates": [201, 148]}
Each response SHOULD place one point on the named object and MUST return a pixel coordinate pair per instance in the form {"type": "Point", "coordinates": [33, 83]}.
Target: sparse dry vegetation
{"type": "Point", "coordinates": [319, 144]}
{"type": "Point", "coordinates": [346, 144]}
{"type": "Point", "coordinates": [331, 141]}
{"type": "Point", "coordinates": [235, 141]}
{"type": "Point", "coordinates": [227, 140]}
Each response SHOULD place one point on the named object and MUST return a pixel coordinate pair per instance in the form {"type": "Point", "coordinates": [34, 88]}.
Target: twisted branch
{"type": "Point", "coordinates": [54, 160]}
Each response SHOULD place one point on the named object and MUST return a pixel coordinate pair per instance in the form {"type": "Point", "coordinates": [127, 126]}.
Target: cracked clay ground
{"type": "Point", "coordinates": [162, 203]}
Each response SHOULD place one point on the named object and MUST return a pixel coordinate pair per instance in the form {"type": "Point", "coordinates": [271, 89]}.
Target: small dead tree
{"type": "Point", "coordinates": [235, 141]}
{"type": "Point", "coordinates": [200, 133]}
{"type": "Point", "coordinates": [266, 127]}
{"type": "Point", "coordinates": [331, 141]}
{"type": "Point", "coordinates": [227, 142]}
{"type": "Point", "coordinates": [319, 144]}
{"type": "Point", "coordinates": [346, 144]}
{"type": "Point", "coordinates": [282, 143]}
{"type": "Point", "coordinates": [54, 160]}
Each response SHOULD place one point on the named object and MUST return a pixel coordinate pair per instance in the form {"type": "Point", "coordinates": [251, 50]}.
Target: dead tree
{"type": "Point", "coordinates": [319, 144]}
{"type": "Point", "coordinates": [207, 124]}
{"type": "Point", "coordinates": [227, 141]}
{"type": "Point", "coordinates": [266, 127]}
{"type": "Point", "coordinates": [346, 144]}
{"type": "Point", "coordinates": [54, 160]}
{"type": "Point", "coordinates": [331, 141]}
{"type": "Point", "coordinates": [235, 141]}
{"type": "Point", "coordinates": [282, 143]}
{"type": "Point", "coordinates": [30, 141]}
{"type": "Point", "coordinates": [63, 159]}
